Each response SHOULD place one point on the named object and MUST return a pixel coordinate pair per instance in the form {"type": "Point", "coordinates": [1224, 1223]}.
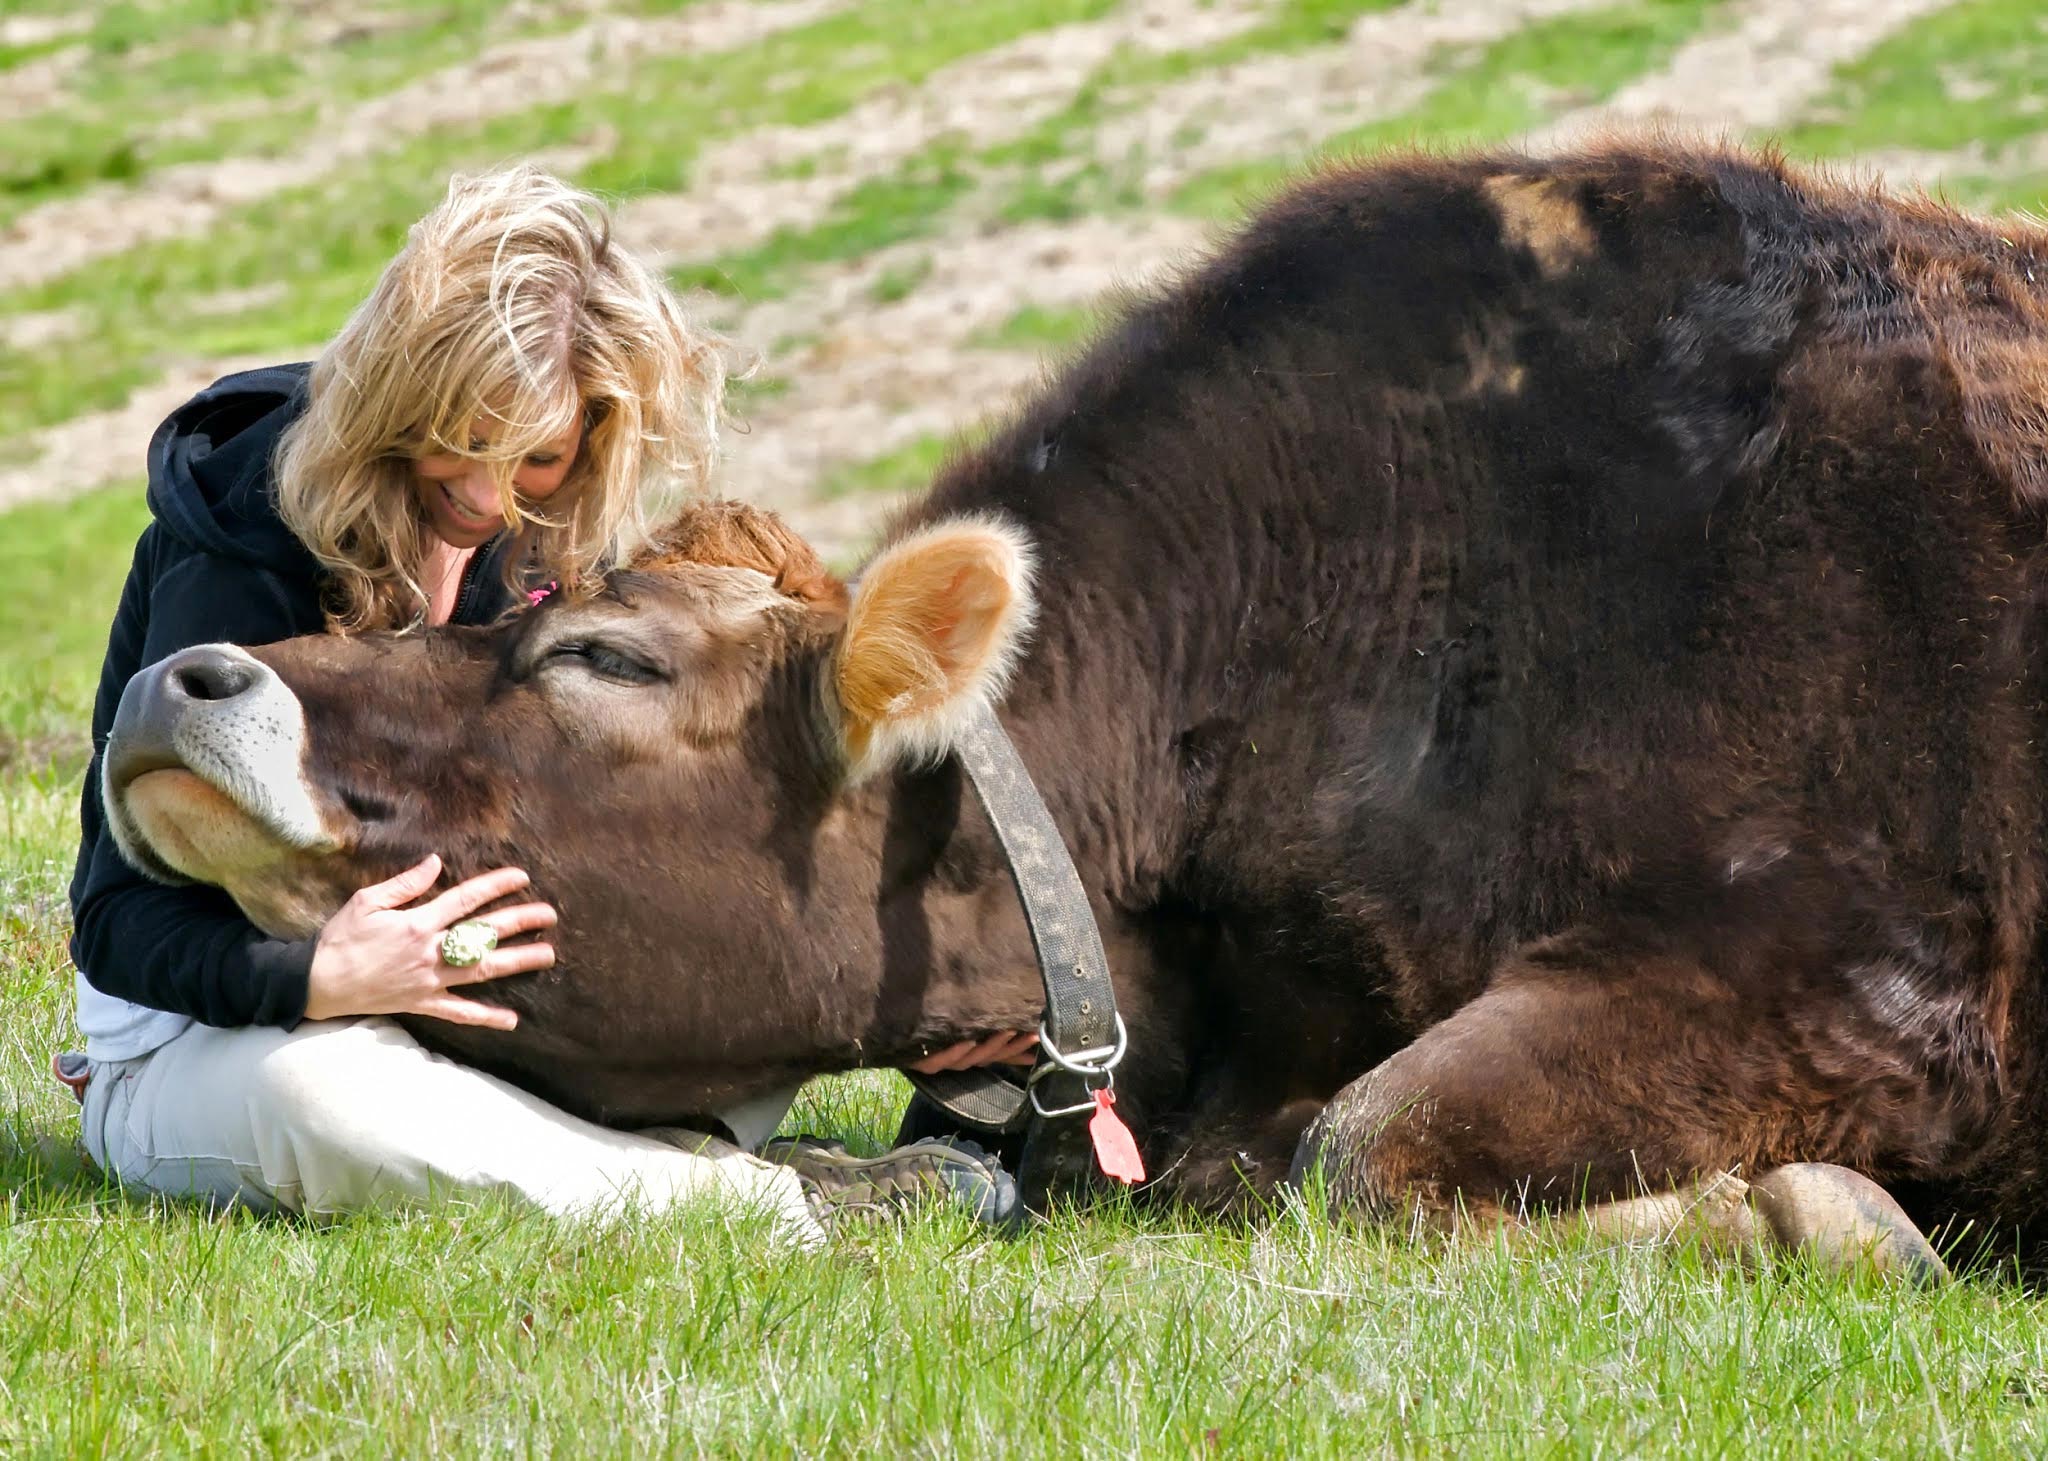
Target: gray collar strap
{"type": "Point", "coordinates": [1082, 1037]}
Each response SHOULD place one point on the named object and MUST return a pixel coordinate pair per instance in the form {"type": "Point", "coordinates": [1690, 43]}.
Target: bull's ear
{"type": "Point", "coordinates": [937, 622]}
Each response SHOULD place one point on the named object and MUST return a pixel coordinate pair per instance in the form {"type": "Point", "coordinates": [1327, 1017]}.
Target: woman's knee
{"type": "Point", "coordinates": [326, 1081]}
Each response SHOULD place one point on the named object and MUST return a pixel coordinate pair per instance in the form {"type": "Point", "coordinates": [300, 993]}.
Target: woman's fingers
{"type": "Point", "coordinates": [1010, 1047]}
{"type": "Point", "coordinates": [947, 1059]}
{"type": "Point", "coordinates": [526, 918]}
{"type": "Point", "coordinates": [465, 898]}
{"type": "Point", "coordinates": [459, 1011]}
{"type": "Point", "coordinates": [518, 959]}
{"type": "Point", "coordinates": [401, 889]}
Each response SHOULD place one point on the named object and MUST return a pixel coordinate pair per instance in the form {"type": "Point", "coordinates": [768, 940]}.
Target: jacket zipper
{"type": "Point", "coordinates": [467, 591]}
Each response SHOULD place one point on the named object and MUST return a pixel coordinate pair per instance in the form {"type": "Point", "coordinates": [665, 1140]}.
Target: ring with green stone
{"type": "Point", "coordinates": [466, 943]}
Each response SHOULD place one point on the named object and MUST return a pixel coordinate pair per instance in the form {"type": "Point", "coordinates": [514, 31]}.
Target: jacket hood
{"type": "Point", "coordinates": [209, 468]}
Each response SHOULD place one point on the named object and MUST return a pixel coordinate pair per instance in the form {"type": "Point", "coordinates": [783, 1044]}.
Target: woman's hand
{"type": "Point", "coordinates": [378, 957]}
{"type": "Point", "coordinates": [1013, 1047]}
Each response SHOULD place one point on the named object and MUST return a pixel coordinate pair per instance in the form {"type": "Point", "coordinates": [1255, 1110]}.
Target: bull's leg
{"type": "Point", "coordinates": [1626, 1096]}
{"type": "Point", "coordinates": [1839, 1217]}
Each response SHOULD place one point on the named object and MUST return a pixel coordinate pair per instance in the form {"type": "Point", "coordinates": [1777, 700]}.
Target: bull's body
{"type": "Point", "coordinates": [1537, 664]}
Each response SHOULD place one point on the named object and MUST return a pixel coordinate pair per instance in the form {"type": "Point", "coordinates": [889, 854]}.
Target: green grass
{"type": "Point", "coordinates": [741, 390]}
{"type": "Point", "coordinates": [63, 564]}
{"type": "Point", "coordinates": [330, 238]}
{"type": "Point", "coordinates": [1507, 87]}
{"type": "Point", "coordinates": [907, 204]}
{"type": "Point", "coordinates": [1042, 180]}
{"type": "Point", "coordinates": [126, 1329]}
{"type": "Point", "coordinates": [1514, 84]}
{"type": "Point", "coordinates": [485, 1330]}
{"type": "Point", "coordinates": [899, 282]}
{"type": "Point", "coordinates": [2006, 193]}
{"type": "Point", "coordinates": [1035, 327]}
{"type": "Point", "coordinates": [1291, 25]}
{"type": "Point", "coordinates": [1030, 177]}
{"type": "Point", "coordinates": [1966, 75]}
{"type": "Point", "coordinates": [897, 471]}
{"type": "Point", "coordinates": [158, 87]}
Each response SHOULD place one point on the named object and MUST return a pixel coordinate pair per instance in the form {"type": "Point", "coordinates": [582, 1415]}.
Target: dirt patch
{"type": "Point", "coordinates": [40, 84]}
{"type": "Point", "coordinates": [870, 379]}
{"type": "Point", "coordinates": [36, 30]}
{"type": "Point", "coordinates": [878, 378]}
{"type": "Point", "coordinates": [1270, 106]}
{"type": "Point", "coordinates": [865, 377]}
{"type": "Point", "coordinates": [229, 302]}
{"type": "Point", "coordinates": [1913, 168]}
{"type": "Point", "coordinates": [1758, 69]}
{"type": "Point", "coordinates": [183, 200]}
{"type": "Point", "coordinates": [875, 378]}
{"type": "Point", "coordinates": [89, 451]}
{"type": "Point", "coordinates": [37, 328]}
{"type": "Point", "coordinates": [747, 187]}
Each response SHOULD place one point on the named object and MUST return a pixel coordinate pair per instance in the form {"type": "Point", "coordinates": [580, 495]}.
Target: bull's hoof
{"type": "Point", "coordinates": [1845, 1220]}
{"type": "Point", "coordinates": [1713, 1211]}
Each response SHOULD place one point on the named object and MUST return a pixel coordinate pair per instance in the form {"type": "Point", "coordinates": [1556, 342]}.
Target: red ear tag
{"type": "Point", "coordinates": [1115, 1152]}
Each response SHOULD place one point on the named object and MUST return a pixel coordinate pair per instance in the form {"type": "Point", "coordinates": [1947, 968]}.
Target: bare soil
{"type": "Point", "coordinates": [864, 378]}
{"type": "Point", "coordinates": [1752, 75]}
{"type": "Point", "coordinates": [183, 200]}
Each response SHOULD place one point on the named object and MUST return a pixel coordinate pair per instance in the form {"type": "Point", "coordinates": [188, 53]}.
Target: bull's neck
{"type": "Point", "coordinates": [1125, 684]}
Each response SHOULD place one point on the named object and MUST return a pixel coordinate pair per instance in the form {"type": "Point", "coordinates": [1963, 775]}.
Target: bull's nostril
{"type": "Point", "coordinates": [213, 679]}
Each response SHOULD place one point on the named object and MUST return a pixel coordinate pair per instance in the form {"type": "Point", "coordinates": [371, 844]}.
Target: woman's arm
{"type": "Point", "coordinates": [188, 949]}
{"type": "Point", "coordinates": [184, 949]}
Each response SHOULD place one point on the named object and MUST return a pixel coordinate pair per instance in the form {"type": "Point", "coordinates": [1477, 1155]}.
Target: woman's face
{"type": "Point", "coordinates": [459, 499]}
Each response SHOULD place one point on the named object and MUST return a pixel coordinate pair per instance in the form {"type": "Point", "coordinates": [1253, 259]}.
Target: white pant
{"type": "Point", "coordinates": [340, 1115]}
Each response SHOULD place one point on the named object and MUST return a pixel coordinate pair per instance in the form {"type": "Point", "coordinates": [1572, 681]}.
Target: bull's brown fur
{"type": "Point", "coordinates": [1539, 663]}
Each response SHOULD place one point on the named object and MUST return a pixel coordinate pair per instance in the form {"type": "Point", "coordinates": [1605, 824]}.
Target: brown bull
{"type": "Point", "coordinates": [1538, 664]}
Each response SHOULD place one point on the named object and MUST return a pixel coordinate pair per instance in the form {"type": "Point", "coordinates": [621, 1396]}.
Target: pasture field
{"type": "Point", "coordinates": [900, 209]}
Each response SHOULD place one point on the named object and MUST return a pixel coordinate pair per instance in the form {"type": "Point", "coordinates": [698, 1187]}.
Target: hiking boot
{"type": "Point", "coordinates": [843, 1187]}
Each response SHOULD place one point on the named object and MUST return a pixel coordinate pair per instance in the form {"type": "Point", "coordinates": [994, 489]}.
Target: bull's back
{"type": "Point", "coordinates": [1550, 526]}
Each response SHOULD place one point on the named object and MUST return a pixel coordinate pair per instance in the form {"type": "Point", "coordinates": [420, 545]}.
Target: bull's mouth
{"type": "Point", "coordinates": [186, 828]}
{"type": "Point", "coordinates": [203, 780]}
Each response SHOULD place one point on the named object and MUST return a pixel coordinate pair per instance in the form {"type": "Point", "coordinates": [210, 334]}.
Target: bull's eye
{"type": "Point", "coordinates": [606, 661]}
{"type": "Point", "coordinates": [366, 807]}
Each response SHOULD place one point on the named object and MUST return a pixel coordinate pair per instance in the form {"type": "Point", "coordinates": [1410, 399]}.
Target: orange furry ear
{"type": "Point", "coordinates": [936, 624]}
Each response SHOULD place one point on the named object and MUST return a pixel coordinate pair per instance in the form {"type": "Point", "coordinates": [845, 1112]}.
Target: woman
{"type": "Point", "coordinates": [514, 406]}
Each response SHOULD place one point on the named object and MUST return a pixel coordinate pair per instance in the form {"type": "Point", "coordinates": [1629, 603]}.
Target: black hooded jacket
{"type": "Point", "coordinates": [217, 564]}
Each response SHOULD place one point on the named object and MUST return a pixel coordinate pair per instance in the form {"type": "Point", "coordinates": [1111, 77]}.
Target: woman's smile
{"type": "Point", "coordinates": [459, 496]}
{"type": "Point", "coordinates": [461, 512]}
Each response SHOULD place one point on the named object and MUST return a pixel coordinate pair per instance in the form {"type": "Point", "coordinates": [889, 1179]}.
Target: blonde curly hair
{"type": "Point", "coordinates": [509, 301]}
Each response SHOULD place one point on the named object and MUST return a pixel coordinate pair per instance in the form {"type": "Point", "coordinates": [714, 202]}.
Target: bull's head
{"type": "Point", "coordinates": [687, 762]}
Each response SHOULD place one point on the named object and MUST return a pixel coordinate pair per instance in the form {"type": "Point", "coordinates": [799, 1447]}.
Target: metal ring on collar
{"type": "Point", "coordinates": [1098, 1060]}
{"type": "Point", "coordinates": [1097, 1063]}
{"type": "Point", "coordinates": [1075, 1109]}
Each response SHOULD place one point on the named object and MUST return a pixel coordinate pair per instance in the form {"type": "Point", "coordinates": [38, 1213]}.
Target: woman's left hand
{"type": "Point", "coordinates": [1012, 1047]}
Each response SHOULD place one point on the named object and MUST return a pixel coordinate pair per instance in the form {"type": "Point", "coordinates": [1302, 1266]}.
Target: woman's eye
{"type": "Point", "coordinates": [603, 660]}
{"type": "Point", "coordinates": [542, 460]}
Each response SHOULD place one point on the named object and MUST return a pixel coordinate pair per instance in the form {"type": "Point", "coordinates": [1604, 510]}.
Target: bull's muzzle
{"type": "Point", "coordinates": [204, 769]}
